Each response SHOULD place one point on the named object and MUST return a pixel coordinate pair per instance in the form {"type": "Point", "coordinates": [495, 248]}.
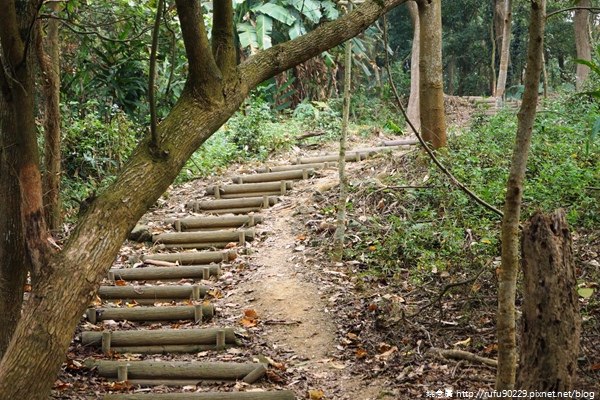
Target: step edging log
{"type": "Point", "coordinates": [202, 237]}
{"type": "Point", "coordinates": [161, 336]}
{"type": "Point", "coordinates": [227, 221]}
{"type": "Point", "coordinates": [212, 206]}
{"type": "Point", "coordinates": [198, 258]}
{"type": "Point", "coordinates": [246, 372]}
{"type": "Point", "coordinates": [196, 313]}
{"type": "Point", "coordinates": [151, 292]}
{"type": "Point", "coordinates": [247, 188]}
{"type": "Point", "coordinates": [163, 273]}
{"type": "Point", "coordinates": [262, 395]}
{"type": "Point", "coordinates": [274, 176]}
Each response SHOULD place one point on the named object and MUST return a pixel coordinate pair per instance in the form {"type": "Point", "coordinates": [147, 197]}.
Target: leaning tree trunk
{"type": "Point", "coordinates": [507, 282]}
{"type": "Point", "coordinates": [431, 96]}
{"type": "Point", "coordinates": [581, 24]}
{"type": "Point", "coordinates": [551, 320]}
{"type": "Point", "coordinates": [65, 281]}
{"type": "Point", "coordinates": [413, 101]}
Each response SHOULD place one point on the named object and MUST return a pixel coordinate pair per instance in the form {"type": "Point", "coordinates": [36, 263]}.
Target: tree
{"type": "Point", "coordinates": [581, 24]}
{"type": "Point", "coordinates": [504, 48]}
{"type": "Point", "coordinates": [507, 346]}
{"type": "Point", "coordinates": [413, 101]}
{"type": "Point", "coordinates": [431, 96]}
{"type": "Point", "coordinates": [65, 280]}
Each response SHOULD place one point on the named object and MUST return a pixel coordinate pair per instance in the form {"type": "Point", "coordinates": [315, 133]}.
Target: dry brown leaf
{"type": "Point", "coordinates": [360, 353]}
{"type": "Point", "coordinates": [231, 245]}
{"type": "Point", "coordinates": [383, 347]}
{"type": "Point", "coordinates": [120, 282]}
{"type": "Point", "coordinates": [352, 336]}
{"type": "Point", "coordinates": [316, 394]}
{"type": "Point", "coordinates": [248, 323]}
{"type": "Point", "coordinates": [250, 313]}
{"type": "Point", "coordinates": [491, 348]}
{"type": "Point", "coordinates": [301, 237]}
{"type": "Point", "coordinates": [273, 376]}
{"type": "Point", "coordinates": [216, 293]}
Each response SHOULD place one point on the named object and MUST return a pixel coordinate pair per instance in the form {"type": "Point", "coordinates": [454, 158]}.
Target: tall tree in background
{"type": "Point", "coordinates": [504, 48]}
{"type": "Point", "coordinates": [413, 101]}
{"type": "Point", "coordinates": [431, 80]}
{"type": "Point", "coordinates": [507, 283]}
{"type": "Point", "coordinates": [47, 51]}
{"type": "Point", "coordinates": [581, 24]}
{"type": "Point", "coordinates": [64, 281]}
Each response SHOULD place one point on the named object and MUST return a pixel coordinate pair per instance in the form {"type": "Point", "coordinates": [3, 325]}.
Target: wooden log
{"type": "Point", "coordinates": [160, 336]}
{"type": "Point", "coordinates": [272, 395]}
{"type": "Point", "coordinates": [207, 257]}
{"type": "Point", "coordinates": [403, 142]}
{"type": "Point", "coordinates": [293, 167]}
{"type": "Point", "coordinates": [152, 292]}
{"type": "Point", "coordinates": [202, 237]}
{"type": "Point", "coordinates": [198, 246]}
{"type": "Point", "coordinates": [211, 205]}
{"type": "Point", "coordinates": [235, 211]}
{"type": "Point", "coordinates": [162, 273]}
{"type": "Point", "coordinates": [274, 176]}
{"type": "Point", "coordinates": [168, 313]}
{"type": "Point", "coordinates": [247, 188]}
{"type": "Point", "coordinates": [234, 221]}
{"type": "Point", "coordinates": [176, 370]}
{"type": "Point", "coordinates": [170, 348]}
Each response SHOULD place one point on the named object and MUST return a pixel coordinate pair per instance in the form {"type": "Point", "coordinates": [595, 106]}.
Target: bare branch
{"type": "Point", "coordinates": [593, 10]}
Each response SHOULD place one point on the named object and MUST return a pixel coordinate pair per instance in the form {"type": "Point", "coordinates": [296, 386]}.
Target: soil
{"type": "Point", "coordinates": [325, 333]}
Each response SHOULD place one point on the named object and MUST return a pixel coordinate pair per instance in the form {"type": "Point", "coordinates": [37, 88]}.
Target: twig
{"type": "Point", "coordinates": [450, 286]}
{"type": "Point", "coordinates": [424, 144]}
{"type": "Point", "coordinates": [463, 355]}
{"type": "Point", "coordinates": [591, 188]}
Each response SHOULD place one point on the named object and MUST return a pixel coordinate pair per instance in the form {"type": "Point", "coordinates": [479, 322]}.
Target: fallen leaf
{"type": "Point", "coordinates": [383, 347]}
{"type": "Point", "coordinates": [373, 307]}
{"type": "Point", "coordinates": [463, 342]}
{"type": "Point", "coordinates": [301, 237]}
{"type": "Point", "coordinates": [491, 348]}
{"type": "Point", "coordinates": [251, 313]}
{"type": "Point", "coordinates": [360, 353]}
{"type": "Point", "coordinates": [231, 245]}
{"type": "Point", "coordinates": [248, 323]}
{"type": "Point", "coordinates": [352, 336]}
{"type": "Point", "coordinates": [316, 394]}
{"type": "Point", "coordinates": [337, 366]}
{"type": "Point", "coordinates": [274, 376]}
{"type": "Point", "coordinates": [120, 282]}
{"type": "Point", "coordinates": [595, 367]}
{"type": "Point", "coordinates": [216, 293]}
{"type": "Point", "coordinates": [586, 293]}
{"type": "Point", "coordinates": [476, 287]}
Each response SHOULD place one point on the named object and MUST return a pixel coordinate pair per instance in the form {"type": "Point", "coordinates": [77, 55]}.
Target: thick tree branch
{"type": "Point", "coordinates": [223, 46]}
{"type": "Point", "coordinates": [204, 76]}
{"type": "Point", "coordinates": [594, 10]}
{"type": "Point", "coordinates": [281, 57]}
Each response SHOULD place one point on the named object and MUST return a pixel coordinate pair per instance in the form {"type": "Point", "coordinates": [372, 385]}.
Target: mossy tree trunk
{"type": "Point", "coordinates": [64, 281]}
{"type": "Point", "coordinates": [507, 354]}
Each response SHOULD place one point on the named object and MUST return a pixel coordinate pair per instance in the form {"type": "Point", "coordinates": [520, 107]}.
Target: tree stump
{"type": "Point", "coordinates": [551, 321]}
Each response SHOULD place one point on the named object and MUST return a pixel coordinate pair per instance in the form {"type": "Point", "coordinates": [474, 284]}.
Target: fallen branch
{"type": "Point", "coordinates": [307, 135]}
{"type": "Point", "coordinates": [463, 355]}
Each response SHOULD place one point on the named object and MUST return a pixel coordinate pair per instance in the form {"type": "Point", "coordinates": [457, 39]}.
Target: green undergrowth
{"type": "Point", "coordinates": [439, 228]}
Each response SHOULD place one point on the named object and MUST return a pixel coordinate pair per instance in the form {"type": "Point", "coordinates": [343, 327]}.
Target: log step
{"type": "Point", "coordinates": [196, 313]}
{"type": "Point", "coordinates": [274, 176]}
{"type": "Point", "coordinates": [161, 341]}
{"type": "Point", "coordinates": [259, 189]}
{"type": "Point", "coordinates": [271, 395]}
{"type": "Point", "coordinates": [207, 223]}
{"type": "Point", "coordinates": [199, 258]}
{"type": "Point", "coordinates": [149, 373]}
{"type": "Point", "coordinates": [233, 204]}
{"type": "Point", "coordinates": [164, 273]}
{"type": "Point", "coordinates": [279, 168]}
{"type": "Point", "coordinates": [402, 142]}
{"type": "Point", "coordinates": [204, 237]}
{"type": "Point", "coordinates": [350, 157]}
{"type": "Point", "coordinates": [153, 293]}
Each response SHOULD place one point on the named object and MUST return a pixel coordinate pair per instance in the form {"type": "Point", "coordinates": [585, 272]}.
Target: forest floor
{"type": "Point", "coordinates": [328, 330]}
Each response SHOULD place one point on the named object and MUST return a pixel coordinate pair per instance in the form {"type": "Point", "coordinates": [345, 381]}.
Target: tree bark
{"type": "Point", "coordinates": [66, 281]}
{"type": "Point", "coordinates": [413, 101]}
{"type": "Point", "coordinates": [581, 24]}
{"type": "Point", "coordinates": [504, 49]}
{"type": "Point", "coordinates": [505, 379]}
{"type": "Point", "coordinates": [48, 53]}
{"type": "Point", "coordinates": [551, 320]}
{"type": "Point", "coordinates": [13, 261]}
{"type": "Point", "coordinates": [431, 96]}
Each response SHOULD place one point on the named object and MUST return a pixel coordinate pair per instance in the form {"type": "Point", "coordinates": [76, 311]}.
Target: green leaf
{"type": "Point", "coordinates": [590, 64]}
{"type": "Point", "coordinates": [298, 29]}
{"type": "Point", "coordinates": [330, 10]}
{"type": "Point", "coordinates": [276, 12]}
{"type": "Point", "coordinates": [309, 9]}
{"type": "Point", "coordinates": [247, 35]}
{"type": "Point", "coordinates": [264, 27]}
{"type": "Point", "coordinates": [329, 61]}
{"type": "Point", "coordinates": [586, 293]}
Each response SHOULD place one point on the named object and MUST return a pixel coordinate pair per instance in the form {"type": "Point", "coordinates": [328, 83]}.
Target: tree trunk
{"type": "Point", "coordinates": [505, 379]}
{"type": "Point", "coordinates": [340, 231]}
{"type": "Point", "coordinates": [47, 52]}
{"type": "Point", "coordinates": [551, 319]}
{"type": "Point", "coordinates": [431, 96]}
{"type": "Point", "coordinates": [13, 261]}
{"type": "Point", "coordinates": [504, 49]}
{"type": "Point", "coordinates": [581, 24]}
{"type": "Point", "coordinates": [413, 101]}
{"type": "Point", "coordinates": [65, 281]}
